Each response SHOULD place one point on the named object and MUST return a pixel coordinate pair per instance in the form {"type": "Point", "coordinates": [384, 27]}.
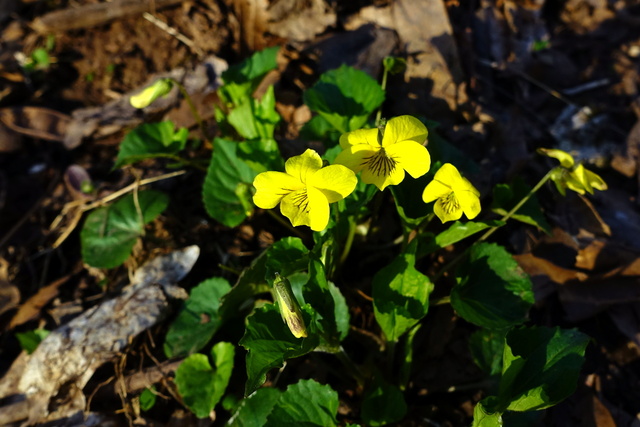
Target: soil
{"type": "Point", "coordinates": [504, 78]}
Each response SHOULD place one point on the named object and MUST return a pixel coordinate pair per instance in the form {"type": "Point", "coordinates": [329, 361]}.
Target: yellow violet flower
{"type": "Point", "coordinates": [453, 195]}
{"type": "Point", "coordinates": [384, 156]}
{"type": "Point", "coordinates": [574, 177]}
{"type": "Point", "coordinates": [305, 190]}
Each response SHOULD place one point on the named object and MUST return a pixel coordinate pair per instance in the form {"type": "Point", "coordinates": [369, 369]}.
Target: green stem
{"type": "Point", "coordinates": [193, 108]}
{"type": "Point", "coordinates": [348, 242]}
{"type": "Point", "coordinates": [493, 229]}
{"type": "Point", "coordinates": [352, 367]}
{"type": "Point", "coordinates": [519, 204]}
{"type": "Point", "coordinates": [384, 89]}
{"type": "Point", "coordinates": [286, 224]}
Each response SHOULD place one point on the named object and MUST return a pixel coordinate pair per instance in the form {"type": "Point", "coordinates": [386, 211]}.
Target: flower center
{"type": "Point", "coordinates": [301, 200]}
{"type": "Point", "coordinates": [380, 164]}
{"type": "Point", "coordinates": [450, 203]}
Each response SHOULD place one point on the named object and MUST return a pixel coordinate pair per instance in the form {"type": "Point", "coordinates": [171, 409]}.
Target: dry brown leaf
{"type": "Point", "coordinates": [9, 296]}
{"type": "Point", "coordinates": [536, 266]}
{"type": "Point", "coordinates": [33, 306]}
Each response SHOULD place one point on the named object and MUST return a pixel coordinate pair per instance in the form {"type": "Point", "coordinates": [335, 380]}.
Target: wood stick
{"type": "Point", "coordinates": [92, 15]}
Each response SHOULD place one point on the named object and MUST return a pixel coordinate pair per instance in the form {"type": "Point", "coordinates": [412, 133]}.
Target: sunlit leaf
{"type": "Point", "coordinates": [226, 192]}
{"type": "Point", "coordinates": [345, 97]}
{"type": "Point", "coordinates": [197, 320]}
{"type": "Point", "coordinates": [202, 386]}
{"type": "Point", "coordinates": [151, 140]}
{"type": "Point", "coordinates": [400, 294]}
{"type": "Point", "coordinates": [306, 403]}
{"type": "Point", "coordinates": [109, 233]}
{"type": "Point", "coordinates": [254, 410]}
{"type": "Point", "coordinates": [269, 343]}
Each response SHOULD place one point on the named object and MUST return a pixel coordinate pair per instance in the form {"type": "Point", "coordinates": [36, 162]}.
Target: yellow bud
{"type": "Point", "coordinates": [149, 94]}
{"type": "Point", "coordinates": [289, 307]}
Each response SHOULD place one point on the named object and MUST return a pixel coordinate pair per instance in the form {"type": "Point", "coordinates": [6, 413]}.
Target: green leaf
{"type": "Point", "coordinates": [256, 119]}
{"type": "Point", "coordinates": [408, 199]}
{"type": "Point", "coordinates": [242, 79]}
{"type": "Point", "coordinates": [269, 343]}
{"type": "Point", "coordinates": [345, 97]}
{"type": "Point", "coordinates": [198, 319]}
{"type": "Point", "coordinates": [492, 291]}
{"type": "Point", "coordinates": [328, 302]}
{"type": "Point", "coordinates": [400, 294]}
{"type": "Point", "coordinates": [505, 198]}
{"type": "Point", "coordinates": [254, 410]}
{"type": "Point", "coordinates": [201, 386]}
{"type": "Point", "coordinates": [484, 418]}
{"type": "Point", "coordinates": [456, 232]}
{"type": "Point", "coordinates": [383, 404]}
{"type": "Point", "coordinates": [541, 367]}
{"type": "Point", "coordinates": [30, 340]}
{"type": "Point", "coordinates": [286, 257]}
{"type": "Point", "coordinates": [486, 348]}
{"type": "Point", "coordinates": [306, 403]}
{"type": "Point", "coordinates": [226, 191]}
{"type": "Point", "coordinates": [319, 129]}
{"type": "Point", "coordinates": [109, 233]}
{"type": "Point", "coordinates": [261, 155]}
{"type": "Point", "coordinates": [147, 398]}
{"type": "Point", "coordinates": [394, 64]}
{"type": "Point", "coordinates": [151, 140]}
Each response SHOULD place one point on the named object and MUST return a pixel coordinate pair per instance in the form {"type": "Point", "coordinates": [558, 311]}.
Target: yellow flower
{"type": "Point", "coordinates": [305, 190]}
{"type": "Point", "coordinates": [575, 178]}
{"type": "Point", "coordinates": [384, 156]}
{"type": "Point", "coordinates": [453, 194]}
{"type": "Point", "coordinates": [152, 92]}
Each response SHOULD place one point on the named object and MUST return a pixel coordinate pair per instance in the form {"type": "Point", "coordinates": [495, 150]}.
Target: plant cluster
{"type": "Point", "coordinates": [337, 194]}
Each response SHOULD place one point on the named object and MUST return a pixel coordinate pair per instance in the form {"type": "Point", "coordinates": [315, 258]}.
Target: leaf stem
{"type": "Point", "coordinates": [193, 109]}
{"type": "Point", "coordinates": [489, 232]}
{"type": "Point", "coordinates": [352, 367]}
{"type": "Point", "coordinates": [348, 242]}
{"type": "Point", "coordinates": [286, 224]}
{"type": "Point", "coordinates": [383, 84]}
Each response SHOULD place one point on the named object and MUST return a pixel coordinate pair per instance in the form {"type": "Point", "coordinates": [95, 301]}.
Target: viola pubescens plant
{"type": "Point", "coordinates": [330, 198]}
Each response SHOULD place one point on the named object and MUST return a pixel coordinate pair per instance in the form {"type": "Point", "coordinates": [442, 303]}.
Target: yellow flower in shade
{"type": "Point", "coordinates": [305, 190]}
{"type": "Point", "coordinates": [574, 177]}
{"type": "Point", "coordinates": [453, 195]}
{"type": "Point", "coordinates": [383, 156]}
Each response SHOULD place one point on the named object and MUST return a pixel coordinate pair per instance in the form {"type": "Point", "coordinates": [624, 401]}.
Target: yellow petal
{"type": "Point", "coordinates": [435, 190]}
{"type": "Point", "coordinates": [595, 180]}
{"type": "Point", "coordinates": [336, 182]}
{"type": "Point", "coordinates": [301, 166]}
{"type": "Point", "coordinates": [411, 156]}
{"type": "Point", "coordinates": [360, 136]}
{"type": "Point", "coordinates": [469, 203]}
{"type": "Point", "coordinates": [404, 128]}
{"type": "Point", "coordinates": [319, 205]}
{"type": "Point", "coordinates": [271, 187]}
{"type": "Point", "coordinates": [355, 158]}
{"type": "Point", "coordinates": [393, 177]}
{"type": "Point", "coordinates": [306, 207]}
{"type": "Point", "coordinates": [443, 214]}
{"type": "Point", "coordinates": [566, 160]}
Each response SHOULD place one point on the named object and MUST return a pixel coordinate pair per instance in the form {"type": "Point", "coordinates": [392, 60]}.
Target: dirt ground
{"type": "Point", "coordinates": [502, 77]}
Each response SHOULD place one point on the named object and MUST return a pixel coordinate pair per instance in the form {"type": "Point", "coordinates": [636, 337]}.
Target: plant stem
{"type": "Point", "coordinates": [519, 204]}
{"type": "Point", "coordinates": [352, 367]}
{"type": "Point", "coordinates": [193, 108]}
{"type": "Point", "coordinates": [489, 232]}
{"type": "Point", "coordinates": [384, 89]}
{"type": "Point", "coordinates": [286, 224]}
{"type": "Point", "coordinates": [348, 242]}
